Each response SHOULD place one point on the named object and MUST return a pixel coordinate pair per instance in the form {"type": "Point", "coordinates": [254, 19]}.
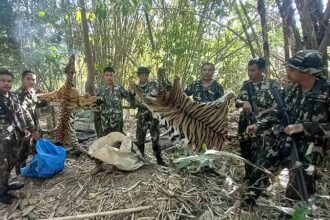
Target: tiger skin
{"type": "Point", "coordinates": [69, 100]}
{"type": "Point", "coordinates": [200, 124]}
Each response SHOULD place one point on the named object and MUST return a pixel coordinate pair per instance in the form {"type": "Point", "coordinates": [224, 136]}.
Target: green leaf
{"type": "Point", "coordinates": [299, 214]}
{"type": "Point", "coordinates": [78, 16]}
{"type": "Point", "coordinates": [41, 13]}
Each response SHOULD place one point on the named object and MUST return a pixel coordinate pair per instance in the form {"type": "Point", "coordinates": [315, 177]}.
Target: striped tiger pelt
{"type": "Point", "coordinates": [200, 123]}
{"type": "Point", "coordinates": [69, 100]}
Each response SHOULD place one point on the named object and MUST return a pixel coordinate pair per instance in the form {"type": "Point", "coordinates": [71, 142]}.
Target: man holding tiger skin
{"type": "Point", "coordinates": [206, 89]}
{"type": "Point", "coordinates": [111, 96]}
{"type": "Point", "coordinates": [145, 120]}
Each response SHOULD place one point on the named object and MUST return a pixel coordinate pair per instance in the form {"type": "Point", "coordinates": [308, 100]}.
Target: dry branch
{"type": "Point", "coordinates": [108, 213]}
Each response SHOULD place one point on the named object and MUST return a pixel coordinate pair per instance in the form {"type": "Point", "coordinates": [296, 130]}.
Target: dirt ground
{"type": "Point", "coordinates": [169, 194]}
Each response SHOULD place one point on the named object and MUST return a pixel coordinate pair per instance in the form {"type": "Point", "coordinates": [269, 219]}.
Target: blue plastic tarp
{"type": "Point", "coordinates": [48, 160]}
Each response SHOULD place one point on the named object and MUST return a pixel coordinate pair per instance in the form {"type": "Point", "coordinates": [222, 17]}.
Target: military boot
{"type": "Point", "coordinates": [141, 148]}
{"type": "Point", "coordinates": [161, 162]}
{"type": "Point", "coordinates": [16, 185]}
{"type": "Point", "coordinates": [6, 198]}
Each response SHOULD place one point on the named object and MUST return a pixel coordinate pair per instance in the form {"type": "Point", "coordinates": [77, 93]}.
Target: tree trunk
{"type": "Point", "coordinates": [247, 35]}
{"type": "Point", "coordinates": [325, 42]}
{"type": "Point", "coordinates": [287, 4]}
{"type": "Point", "coordinates": [255, 36]}
{"type": "Point", "coordinates": [286, 29]}
{"type": "Point", "coordinates": [308, 27]}
{"type": "Point", "coordinates": [264, 27]}
{"type": "Point", "coordinates": [152, 42]}
{"type": "Point", "coordinates": [89, 86]}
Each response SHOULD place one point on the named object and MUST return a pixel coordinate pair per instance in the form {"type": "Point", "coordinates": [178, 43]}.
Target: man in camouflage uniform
{"type": "Point", "coordinates": [12, 128]}
{"type": "Point", "coordinates": [30, 104]}
{"type": "Point", "coordinates": [206, 89]}
{"type": "Point", "coordinates": [256, 101]}
{"type": "Point", "coordinates": [111, 96]}
{"type": "Point", "coordinates": [308, 103]}
{"type": "Point", "coordinates": [145, 120]}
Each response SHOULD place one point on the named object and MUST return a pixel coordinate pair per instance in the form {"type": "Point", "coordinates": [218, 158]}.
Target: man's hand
{"type": "Point", "coordinates": [26, 133]}
{"type": "Point", "coordinates": [293, 129]}
{"type": "Point", "coordinates": [251, 129]}
{"type": "Point", "coordinates": [247, 106]}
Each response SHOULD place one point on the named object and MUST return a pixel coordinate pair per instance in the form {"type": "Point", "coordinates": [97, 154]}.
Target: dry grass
{"type": "Point", "coordinates": [171, 195]}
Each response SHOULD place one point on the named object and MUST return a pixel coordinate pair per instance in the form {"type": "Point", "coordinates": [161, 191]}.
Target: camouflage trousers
{"type": "Point", "coordinates": [274, 155]}
{"type": "Point", "coordinates": [144, 123]}
{"type": "Point", "coordinates": [26, 148]}
{"type": "Point", "coordinates": [97, 123]}
{"type": "Point", "coordinates": [8, 160]}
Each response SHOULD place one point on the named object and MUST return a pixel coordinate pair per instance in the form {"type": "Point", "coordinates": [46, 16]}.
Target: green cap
{"type": "Point", "coordinates": [143, 70]}
{"type": "Point", "coordinates": [309, 61]}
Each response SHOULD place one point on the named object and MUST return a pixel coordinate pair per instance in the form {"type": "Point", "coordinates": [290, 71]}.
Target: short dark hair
{"type": "Point", "coordinates": [109, 69]}
{"type": "Point", "coordinates": [208, 63]}
{"type": "Point", "coordinates": [6, 72]}
{"type": "Point", "coordinates": [259, 61]}
{"type": "Point", "coordinates": [27, 72]}
{"type": "Point", "coordinates": [143, 70]}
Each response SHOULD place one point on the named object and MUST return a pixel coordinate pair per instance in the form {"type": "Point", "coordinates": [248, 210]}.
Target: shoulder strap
{"type": "Point", "coordinates": [252, 96]}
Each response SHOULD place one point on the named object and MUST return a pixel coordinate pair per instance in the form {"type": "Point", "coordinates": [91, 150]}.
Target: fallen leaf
{"type": "Point", "coordinates": [27, 210]}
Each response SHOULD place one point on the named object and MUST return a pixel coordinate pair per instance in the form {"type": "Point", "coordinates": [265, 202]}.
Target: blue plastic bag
{"type": "Point", "coordinates": [48, 161]}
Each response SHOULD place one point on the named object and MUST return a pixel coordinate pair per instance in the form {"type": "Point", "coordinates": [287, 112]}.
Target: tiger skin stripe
{"type": "Point", "coordinates": [69, 100]}
{"type": "Point", "coordinates": [199, 123]}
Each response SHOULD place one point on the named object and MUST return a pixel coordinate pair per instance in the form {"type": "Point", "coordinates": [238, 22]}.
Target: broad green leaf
{"type": "Point", "coordinates": [299, 214]}
{"type": "Point", "coordinates": [78, 16]}
{"type": "Point", "coordinates": [41, 13]}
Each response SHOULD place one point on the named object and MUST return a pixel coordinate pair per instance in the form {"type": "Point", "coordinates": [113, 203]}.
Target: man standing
{"type": "Point", "coordinates": [30, 103]}
{"type": "Point", "coordinates": [256, 100]}
{"type": "Point", "coordinates": [206, 89]}
{"type": "Point", "coordinates": [111, 96]}
{"type": "Point", "coordinates": [145, 120]}
{"type": "Point", "coordinates": [308, 103]}
{"type": "Point", "coordinates": [12, 128]}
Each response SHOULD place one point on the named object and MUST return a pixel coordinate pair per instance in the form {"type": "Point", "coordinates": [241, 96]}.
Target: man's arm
{"type": "Point", "coordinates": [189, 90]}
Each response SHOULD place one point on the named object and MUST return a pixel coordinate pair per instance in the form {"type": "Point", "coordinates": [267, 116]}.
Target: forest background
{"type": "Point", "coordinates": [177, 34]}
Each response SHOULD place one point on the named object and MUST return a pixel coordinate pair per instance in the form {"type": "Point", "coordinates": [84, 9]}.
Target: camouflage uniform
{"type": "Point", "coordinates": [111, 108]}
{"type": "Point", "coordinates": [29, 103]}
{"type": "Point", "coordinates": [10, 134]}
{"type": "Point", "coordinates": [260, 93]}
{"type": "Point", "coordinates": [311, 109]}
{"type": "Point", "coordinates": [146, 121]}
{"type": "Point", "coordinates": [203, 95]}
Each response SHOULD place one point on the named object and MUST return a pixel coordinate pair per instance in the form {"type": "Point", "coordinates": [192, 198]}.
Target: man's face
{"type": "Point", "coordinates": [6, 83]}
{"type": "Point", "coordinates": [294, 75]}
{"type": "Point", "coordinates": [29, 81]}
{"type": "Point", "coordinates": [143, 77]}
{"type": "Point", "coordinates": [207, 72]}
{"type": "Point", "coordinates": [254, 72]}
{"type": "Point", "coordinates": [109, 78]}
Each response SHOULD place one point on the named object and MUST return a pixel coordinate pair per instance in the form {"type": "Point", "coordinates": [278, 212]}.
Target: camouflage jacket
{"type": "Point", "coordinates": [30, 103]}
{"type": "Point", "coordinates": [111, 107]}
{"type": "Point", "coordinates": [151, 89]}
{"type": "Point", "coordinates": [261, 95]}
{"type": "Point", "coordinates": [14, 119]}
{"type": "Point", "coordinates": [312, 109]}
{"type": "Point", "coordinates": [203, 95]}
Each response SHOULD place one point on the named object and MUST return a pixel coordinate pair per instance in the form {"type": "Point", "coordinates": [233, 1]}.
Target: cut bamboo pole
{"type": "Point", "coordinates": [107, 213]}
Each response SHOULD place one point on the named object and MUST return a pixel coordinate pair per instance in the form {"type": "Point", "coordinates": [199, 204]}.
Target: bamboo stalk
{"type": "Point", "coordinates": [107, 213]}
